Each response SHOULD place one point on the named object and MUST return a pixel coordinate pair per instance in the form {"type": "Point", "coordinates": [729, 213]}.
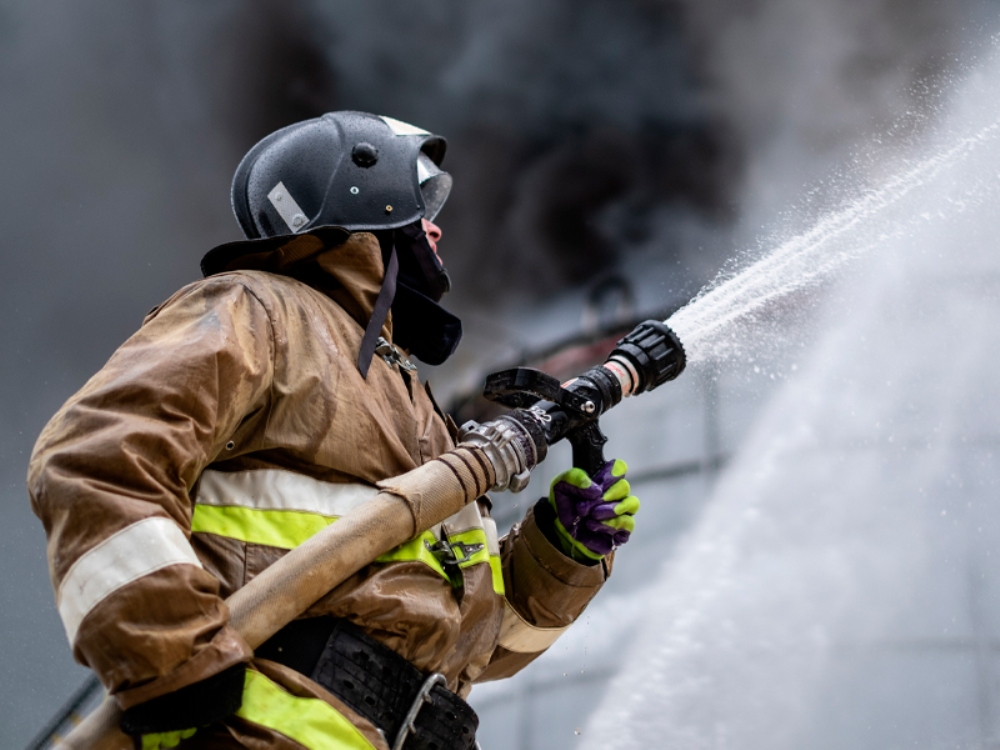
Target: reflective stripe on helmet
{"type": "Point", "coordinates": [126, 556]}
{"type": "Point", "coordinates": [311, 722]}
{"type": "Point", "coordinates": [398, 127]}
{"type": "Point", "coordinates": [287, 208]}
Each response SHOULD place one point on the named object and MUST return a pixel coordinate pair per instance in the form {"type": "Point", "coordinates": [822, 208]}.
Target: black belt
{"type": "Point", "coordinates": [413, 710]}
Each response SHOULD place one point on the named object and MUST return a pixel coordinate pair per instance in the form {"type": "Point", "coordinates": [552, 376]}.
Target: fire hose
{"type": "Point", "coordinates": [497, 455]}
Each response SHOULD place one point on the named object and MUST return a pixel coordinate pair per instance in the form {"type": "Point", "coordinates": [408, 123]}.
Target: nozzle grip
{"type": "Point", "coordinates": [588, 447]}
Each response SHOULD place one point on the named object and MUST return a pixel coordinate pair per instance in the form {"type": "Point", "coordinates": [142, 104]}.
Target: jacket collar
{"type": "Point", "coordinates": [346, 267]}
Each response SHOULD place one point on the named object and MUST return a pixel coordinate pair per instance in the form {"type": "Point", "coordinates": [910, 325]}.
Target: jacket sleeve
{"type": "Point", "coordinates": [111, 478]}
{"type": "Point", "coordinates": [545, 592]}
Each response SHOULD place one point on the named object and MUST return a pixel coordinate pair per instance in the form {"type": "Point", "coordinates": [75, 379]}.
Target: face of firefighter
{"type": "Point", "coordinates": [433, 232]}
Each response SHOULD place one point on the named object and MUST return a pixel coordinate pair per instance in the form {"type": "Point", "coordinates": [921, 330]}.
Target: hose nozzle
{"type": "Point", "coordinates": [650, 355]}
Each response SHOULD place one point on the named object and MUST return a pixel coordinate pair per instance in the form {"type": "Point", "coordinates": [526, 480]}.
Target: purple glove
{"type": "Point", "coordinates": [593, 516]}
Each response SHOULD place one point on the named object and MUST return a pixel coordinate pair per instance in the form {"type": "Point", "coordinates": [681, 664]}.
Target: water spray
{"type": "Point", "coordinates": [546, 411]}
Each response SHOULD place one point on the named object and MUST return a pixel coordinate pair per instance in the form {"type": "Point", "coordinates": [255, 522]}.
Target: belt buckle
{"type": "Point", "coordinates": [423, 696]}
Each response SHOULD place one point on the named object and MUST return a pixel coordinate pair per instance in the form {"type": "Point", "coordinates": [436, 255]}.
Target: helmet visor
{"type": "Point", "coordinates": [435, 186]}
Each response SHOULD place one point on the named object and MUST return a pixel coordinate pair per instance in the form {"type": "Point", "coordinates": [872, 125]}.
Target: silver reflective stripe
{"type": "Point", "coordinates": [470, 518]}
{"type": "Point", "coordinates": [520, 636]}
{"type": "Point", "coordinates": [492, 540]}
{"type": "Point", "coordinates": [277, 489]}
{"type": "Point", "coordinates": [135, 551]}
{"type": "Point", "coordinates": [465, 520]}
{"type": "Point", "coordinates": [399, 127]}
{"type": "Point", "coordinates": [287, 208]}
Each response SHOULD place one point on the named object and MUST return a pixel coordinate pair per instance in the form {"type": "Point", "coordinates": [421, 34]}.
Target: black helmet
{"type": "Point", "coordinates": [354, 170]}
{"type": "Point", "coordinates": [361, 172]}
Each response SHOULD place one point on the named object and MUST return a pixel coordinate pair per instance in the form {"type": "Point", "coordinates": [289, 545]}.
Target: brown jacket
{"type": "Point", "coordinates": [229, 428]}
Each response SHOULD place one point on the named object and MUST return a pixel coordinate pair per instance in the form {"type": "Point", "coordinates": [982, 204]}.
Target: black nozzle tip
{"type": "Point", "coordinates": [656, 353]}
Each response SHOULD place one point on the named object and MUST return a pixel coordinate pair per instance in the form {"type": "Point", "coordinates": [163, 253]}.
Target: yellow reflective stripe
{"type": "Point", "coordinates": [416, 550]}
{"type": "Point", "coordinates": [311, 722]}
{"type": "Point", "coordinates": [479, 536]}
{"type": "Point", "coordinates": [285, 529]}
{"type": "Point", "coordinates": [469, 538]}
{"type": "Point", "coordinates": [496, 568]}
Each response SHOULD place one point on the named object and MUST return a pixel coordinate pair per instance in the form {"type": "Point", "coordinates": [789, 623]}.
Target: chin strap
{"type": "Point", "coordinates": [380, 312]}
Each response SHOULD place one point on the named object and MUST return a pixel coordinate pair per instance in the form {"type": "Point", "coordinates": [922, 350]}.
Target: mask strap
{"type": "Point", "coordinates": [380, 312]}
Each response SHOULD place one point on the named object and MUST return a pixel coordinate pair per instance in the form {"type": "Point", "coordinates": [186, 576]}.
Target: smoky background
{"type": "Point", "coordinates": [641, 139]}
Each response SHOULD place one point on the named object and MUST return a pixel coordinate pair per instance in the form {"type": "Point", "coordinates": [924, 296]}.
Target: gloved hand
{"type": "Point", "coordinates": [593, 516]}
{"type": "Point", "coordinates": [162, 740]}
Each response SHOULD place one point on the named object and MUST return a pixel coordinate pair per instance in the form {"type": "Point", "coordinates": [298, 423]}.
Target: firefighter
{"type": "Point", "coordinates": [255, 407]}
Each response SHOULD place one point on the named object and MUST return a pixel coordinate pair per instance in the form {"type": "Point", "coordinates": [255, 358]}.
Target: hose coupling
{"type": "Point", "coordinates": [511, 446]}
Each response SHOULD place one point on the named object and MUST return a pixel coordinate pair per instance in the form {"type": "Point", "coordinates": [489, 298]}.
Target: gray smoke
{"type": "Point", "coordinates": [804, 84]}
{"type": "Point", "coordinates": [556, 112]}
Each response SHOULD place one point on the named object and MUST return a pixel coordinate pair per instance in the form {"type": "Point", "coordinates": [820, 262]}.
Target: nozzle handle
{"type": "Point", "coordinates": [588, 447]}
{"type": "Point", "coordinates": [650, 355]}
